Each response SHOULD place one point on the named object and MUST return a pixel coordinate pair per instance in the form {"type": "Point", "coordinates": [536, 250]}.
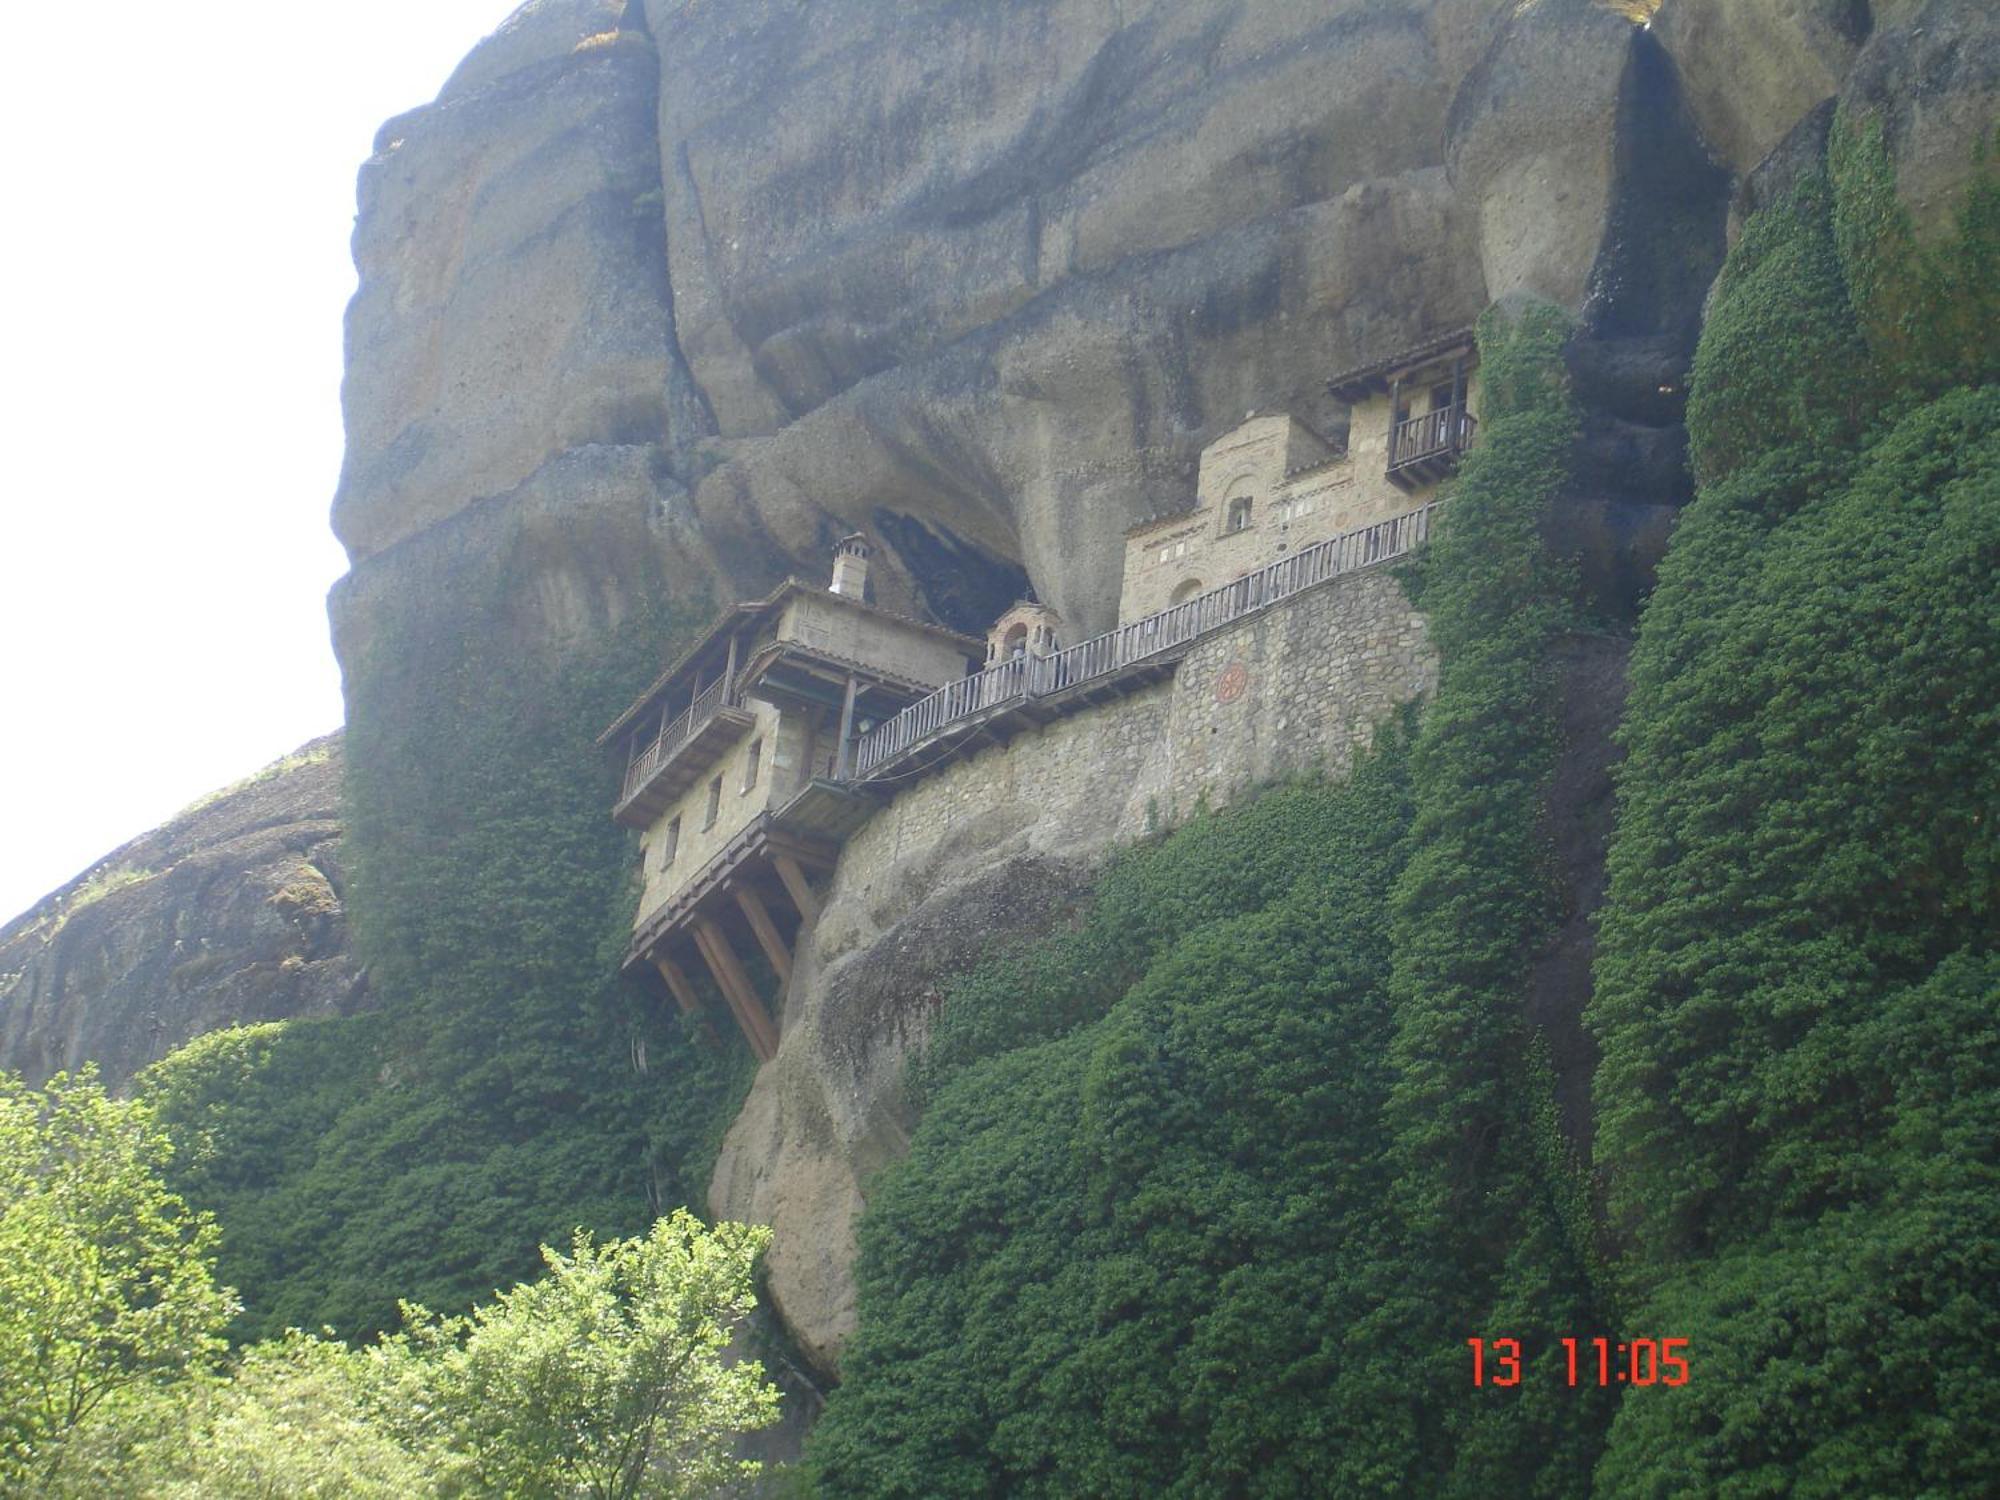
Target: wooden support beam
{"type": "Point", "coordinates": [683, 992]}
{"type": "Point", "coordinates": [750, 1012]}
{"type": "Point", "coordinates": [797, 887]}
{"type": "Point", "coordinates": [677, 982]}
{"type": "Point", "coordinates": [716, 969]}
{"type": "Point", "coordinates": [766, 931]}
{"type": "Point", "coordinates": [846, 729]}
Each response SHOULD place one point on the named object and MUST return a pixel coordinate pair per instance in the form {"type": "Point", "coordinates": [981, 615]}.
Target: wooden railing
{"type": "Point", "coordinates": [1024, 677]}
{"type": "Point", "coordinates": [1447, 430]}
{"type": "Point", "coordinates": [675, 733]}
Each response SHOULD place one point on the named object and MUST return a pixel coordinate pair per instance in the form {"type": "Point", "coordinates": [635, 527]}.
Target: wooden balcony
{"type": "Point", "coordinates": [674, 760]}
{"type": "Point", "coordinates": [1425, 449]}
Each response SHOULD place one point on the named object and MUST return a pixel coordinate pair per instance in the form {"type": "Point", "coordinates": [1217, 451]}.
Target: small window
{"type": "Point", "coordinates": [1239, 514]}
{"type": "Point", "coordinates": [1189, 587]}
{"type": "Point", "coordinates": [714, 803]}
{"type": "Point", "coordinates": [1015, 642]}
{"type": "Point", "coordinates": [672, 844]}
{"type": "Point", "coordinates": [1441, 396]}
{"type": "Point", "coordinates": [753, 764]}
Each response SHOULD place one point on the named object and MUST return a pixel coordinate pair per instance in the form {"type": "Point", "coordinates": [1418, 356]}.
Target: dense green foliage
{"type": "Point", "coordinates": [605, 1377]}
{"type": "Point", "coordinates": [1210, 1190]}
{"type": "Point", "coordinates": [1120, 1255]}
{"type": "Point", "coordinates": [1799, 1098]}
{"type": "Point", "coordinates": [106, 1278]}
{"type": "Point", "coordinates": [511, 1087]}
{"type": "Point", "coordinates": [1481, 1183]}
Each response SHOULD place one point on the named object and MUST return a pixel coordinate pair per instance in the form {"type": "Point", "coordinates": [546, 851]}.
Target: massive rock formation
{"type": "Point", "coordinates": [678, 291]}
{"type": "Point", "coordinates": [228, 914]}
{"type": "Point", "coordinates": [683, 290]}
{"type": "Point", "coordinates": [712, 284]}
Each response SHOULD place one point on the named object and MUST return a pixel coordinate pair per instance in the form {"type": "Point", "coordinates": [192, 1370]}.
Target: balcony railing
{"type": "Point", "coordinates": [1025, 677]}
{"type": "Point", "coordinates": [1436, 434]}
{"type": "Point", "coordinates": [675, 733]}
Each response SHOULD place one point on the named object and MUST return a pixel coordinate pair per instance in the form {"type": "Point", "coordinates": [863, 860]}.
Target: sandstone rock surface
{"type": "Point", "coordinates": [230, 913]}
{"type": "Point", "coordinates": [1932, 77]}
{"type": "Point", "coordinates": [1755, 67]}
{"type": "Point", "coordinates": [978, 280]}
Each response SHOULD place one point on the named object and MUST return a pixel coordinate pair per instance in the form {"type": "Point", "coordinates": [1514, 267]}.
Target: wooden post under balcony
{"type": "Point", "coordinates": [798, 888]}
{"type": "Point", "coordinates": [677, 983]}
{"type": "Point", "coordinates": [766, 930]}
{"type": "Point", "coordinates": [846, 729]}
{"type": "Point", "coordinates": [751, 1017]}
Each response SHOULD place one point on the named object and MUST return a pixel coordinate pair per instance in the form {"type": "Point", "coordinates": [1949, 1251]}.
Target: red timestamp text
{"type": "Point", "coordinates": [1603, 1362]}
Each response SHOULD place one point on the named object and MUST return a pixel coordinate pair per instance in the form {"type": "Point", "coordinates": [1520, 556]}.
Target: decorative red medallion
{"type": "Point", "coordinates": [1233, 683]}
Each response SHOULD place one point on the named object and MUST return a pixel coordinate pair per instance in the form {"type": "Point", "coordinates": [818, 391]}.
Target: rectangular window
{"type": "Point", "coordinates": [753, 763]}
{"type": "Point", "coordinates": [672, 845]}
{"type": "Point", "coordinates": [714, 802]}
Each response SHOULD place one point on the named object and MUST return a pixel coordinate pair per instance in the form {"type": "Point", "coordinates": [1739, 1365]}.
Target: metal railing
{"type": "Point", "coordinates": [1025, 677]}
{"type": "Point", "coordinates": [1447, 430]}
{"type": "Point", "coordinates": [675, 733]}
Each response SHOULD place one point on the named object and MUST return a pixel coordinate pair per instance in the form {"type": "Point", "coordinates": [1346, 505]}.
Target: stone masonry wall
{"type": "Point", "coordinates": [1000, 846]}
{"type": "Point", "coordinates": [1300, 685]}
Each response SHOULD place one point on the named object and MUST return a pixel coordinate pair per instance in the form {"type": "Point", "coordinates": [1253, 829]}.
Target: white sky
{"type": "Point", "coordinates": [179, 189]}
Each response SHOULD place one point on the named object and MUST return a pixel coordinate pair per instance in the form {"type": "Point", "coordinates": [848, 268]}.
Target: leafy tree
{"type": "Point", "coordinates": [106, 1277]}
{"type": "Point", "coordinates": [298, 1417]}
{"type": "Point", "coordinates": [606, 1377]}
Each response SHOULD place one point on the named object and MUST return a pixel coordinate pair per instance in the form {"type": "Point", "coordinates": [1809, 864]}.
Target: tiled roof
{"type": "Point", "coordinates": [1350, 385]}
{"type": "Point", "coordinates": [731, 616]}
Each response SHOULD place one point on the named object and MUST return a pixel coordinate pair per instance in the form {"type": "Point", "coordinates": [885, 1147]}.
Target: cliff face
{"type": "Point", "coordinates": [978, 280]}
{"type": "Point", "coordinates": [718, 283]}
{"type": "Point", "coordinates": [682, 291]}
{"type": "Point", "coordinates": [230, 913]}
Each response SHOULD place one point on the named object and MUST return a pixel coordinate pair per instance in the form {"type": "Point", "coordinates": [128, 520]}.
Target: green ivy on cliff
{"type": "Point", "coordinates": [511, 1087]}
{"type": "Point", "coordinates": [1484, 1194]}
{"type": "Point", "coordinates": [1799, 1098]}
{"type": "Point", "coordinates": [1121, 1256]}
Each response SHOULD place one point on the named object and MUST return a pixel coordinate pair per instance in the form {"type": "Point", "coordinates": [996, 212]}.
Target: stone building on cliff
{"type": "Point", "coordinates": [1272, 485]}
{"type": "Point", "coordinates": [794, 718]}
{"type": "Point", "coordinates": [737, 772]}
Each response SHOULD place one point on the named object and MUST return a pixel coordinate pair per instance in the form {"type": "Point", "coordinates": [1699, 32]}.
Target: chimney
{"type": "Point", "coordinates": [850, 566]}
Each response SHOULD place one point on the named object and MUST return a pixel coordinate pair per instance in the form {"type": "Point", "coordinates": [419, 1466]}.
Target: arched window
{"type": "Point", "coordinates": [1015, 642]}
{"type": "Point", "coordinates": [1185, 591]}
{"type": "Point", "coordinates": [1238, 516]}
